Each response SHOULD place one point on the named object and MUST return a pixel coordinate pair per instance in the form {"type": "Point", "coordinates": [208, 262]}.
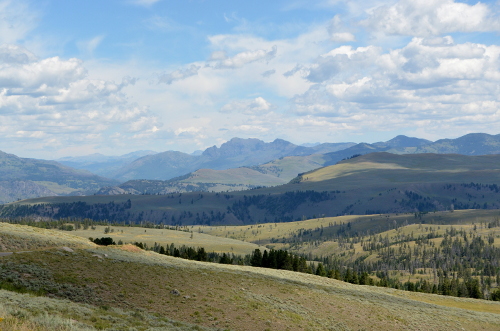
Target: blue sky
{"type": "Point", "coordinates": [115, 76]}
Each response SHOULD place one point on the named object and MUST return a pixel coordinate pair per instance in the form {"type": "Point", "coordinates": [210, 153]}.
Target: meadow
{"type": "Point", "coordinates": [150, 236]}
{"type": "Point", "coordinates": [118, 282]}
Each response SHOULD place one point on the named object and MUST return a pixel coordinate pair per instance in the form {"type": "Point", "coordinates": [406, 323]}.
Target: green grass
{"type": "Point", "coordinates": [56, 188]}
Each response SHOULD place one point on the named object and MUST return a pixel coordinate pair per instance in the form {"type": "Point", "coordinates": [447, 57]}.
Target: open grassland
{"type": "Point", "coordinates": [25, 312]}
{"type": "Point", "coordinates": [236, 176]}
{"type": "Point", "coordinates": [276, 232]}
{"type": "Point", "coordinates": [150, 236]}
{"type": "Point", "coordinates": [240, 298]}
{"type": "Point", "coordinates": [15, 238]}
{"type": "Point", "coordinates": [125, 288]}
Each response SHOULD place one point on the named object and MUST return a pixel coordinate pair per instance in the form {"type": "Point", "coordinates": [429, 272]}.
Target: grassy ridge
{"type": "Point", "coordinates": [246, 298]}
{"type": "Point", "coordinates": [24, 312]}
{"type": "Point", "coordinates": [266, 233]}
{"type": "Point", "coordinates": [166, 237]}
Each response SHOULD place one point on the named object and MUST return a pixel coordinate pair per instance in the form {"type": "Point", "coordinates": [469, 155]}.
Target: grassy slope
{"type": "Point", "coordinates": [273, 173]}
{"type": "Point", "coordinates": [166, 237]}
{"type": "Point", "coordinates": [237, 176]}
{"type": "Point", "coordinates": [246, 298]}
{"type": "Point", "coordinates": [385, 169]}
{"type": "Point", "coordinates": [264, 233]}
{"type": "Point", "coordinates": [24, 312]}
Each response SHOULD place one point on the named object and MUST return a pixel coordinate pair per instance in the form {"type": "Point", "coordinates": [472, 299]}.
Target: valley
{"type": "Point", "coordinates": [306, 241]}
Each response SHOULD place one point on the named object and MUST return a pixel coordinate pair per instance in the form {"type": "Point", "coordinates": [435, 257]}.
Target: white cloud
{"type": "Point", "coordinates": [337, 31]}
{"type": "Point", "coordinates": [340, 60]}
{"type": "Point", "coordinates": [248, 107]}
{"type": "Point", "coordinates": [169, 78]}
{"type": "Point", "coordinates": [218, 56]}
{"type": "Point", "coordinates": [16, 20]}
{"type": "Point", "coordinates": [431, 17]}
{"type": "Point", "coordinates": [430, 85]}
{"type": "Point", "coordinates": [52, 99]}
{"type": "Point", "coordinates": [15, 54]}
{"type": "Point", "coordinates": [240, 59]}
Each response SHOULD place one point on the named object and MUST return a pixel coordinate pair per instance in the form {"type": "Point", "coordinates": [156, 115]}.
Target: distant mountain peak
{"type": "Point", "coordinates": [404, 141]}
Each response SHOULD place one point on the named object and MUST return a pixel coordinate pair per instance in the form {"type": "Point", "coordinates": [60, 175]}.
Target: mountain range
{"type": "Point", "coordinates": [235, 165]}
{"type": "Point", "coordinates": [213, 174]}
{"type": "Point", "coordinates": [22, 178]}
{"type": "Point", "coordinates": [254, 152]}
{"type": "Point", "coordinates": [375, 183]}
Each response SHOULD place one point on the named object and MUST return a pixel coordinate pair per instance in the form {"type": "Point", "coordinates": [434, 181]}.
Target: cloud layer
{"type": "Point", "coordinates": [353, 71]}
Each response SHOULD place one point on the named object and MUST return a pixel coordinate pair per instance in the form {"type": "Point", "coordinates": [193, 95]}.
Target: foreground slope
{"type": "Point", "coordinates": [235, 297]}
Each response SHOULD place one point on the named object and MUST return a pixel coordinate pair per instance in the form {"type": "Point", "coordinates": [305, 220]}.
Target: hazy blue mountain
{"type": "Point", "coordinates": [158, 166]}
{"type": "Point", "coordinates": [103, 165]}
{"type": "Point", "coordinates": [403, 141]}
{"type": "Point", "coordinates": [470, 144]}
{"type": "Point", "coordinates": [23, 178]}
{"type": "Point", "coordinates": [235, 153]}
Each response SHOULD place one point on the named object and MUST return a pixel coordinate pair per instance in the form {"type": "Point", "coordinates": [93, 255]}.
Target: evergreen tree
{"type": "Point", "coordinates": [256, 260]}
{"type": "Point", "coordinates": [320, 270]}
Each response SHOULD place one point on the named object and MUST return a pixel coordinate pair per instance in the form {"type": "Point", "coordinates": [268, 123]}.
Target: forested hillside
{"type": "Point", "coordinates": [369, 184]}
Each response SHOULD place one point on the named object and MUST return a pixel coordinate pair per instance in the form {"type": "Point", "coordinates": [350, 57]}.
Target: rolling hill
{"type": "Point", "coordinates": [274, 173]}
{"type": "Point", "coordinates": [23, 178]}
{"type": "Point", "coordinates": [369, 184]}
{"type": "Point", "coordinates": [240, 154]}
{"type": "Point", "coordinates": [89, 290]}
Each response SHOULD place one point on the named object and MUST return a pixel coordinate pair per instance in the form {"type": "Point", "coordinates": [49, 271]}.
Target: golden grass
{"type": "Point", "coordinates": [247, 298]}
{"type": "Point", "coordinates": [266, 231]}
{"type": "Point", "coordinates": [347, 169]}
{"type": "Point", "coordinates": [166, 237]}
{"type": "Point", "coordinates": [15, 238]}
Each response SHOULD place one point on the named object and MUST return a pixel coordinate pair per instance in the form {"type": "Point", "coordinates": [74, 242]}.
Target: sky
{"type": "Point", "coordinates": [112, 77]}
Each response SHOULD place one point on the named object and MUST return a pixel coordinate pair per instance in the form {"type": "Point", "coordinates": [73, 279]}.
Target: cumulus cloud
{"type": "Point", "coordinates": [341, 59]}
{"type": "Point", "coordinates": [429, 84]}
{"type": "Point", "coordinates": [431, 17]}
{"type": "Point", "coordinates": [169, 78]}
{"type": "Point", "coordinates": [256, 106]}
{"type": "Point", "coordinates": [50, 98]}
{"type": "Point", "coordinates": [240, 59]}
{"type": "Point", "coordinates": [337, 31]}
{"type": "Point", "coordinates": [15, 54]}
